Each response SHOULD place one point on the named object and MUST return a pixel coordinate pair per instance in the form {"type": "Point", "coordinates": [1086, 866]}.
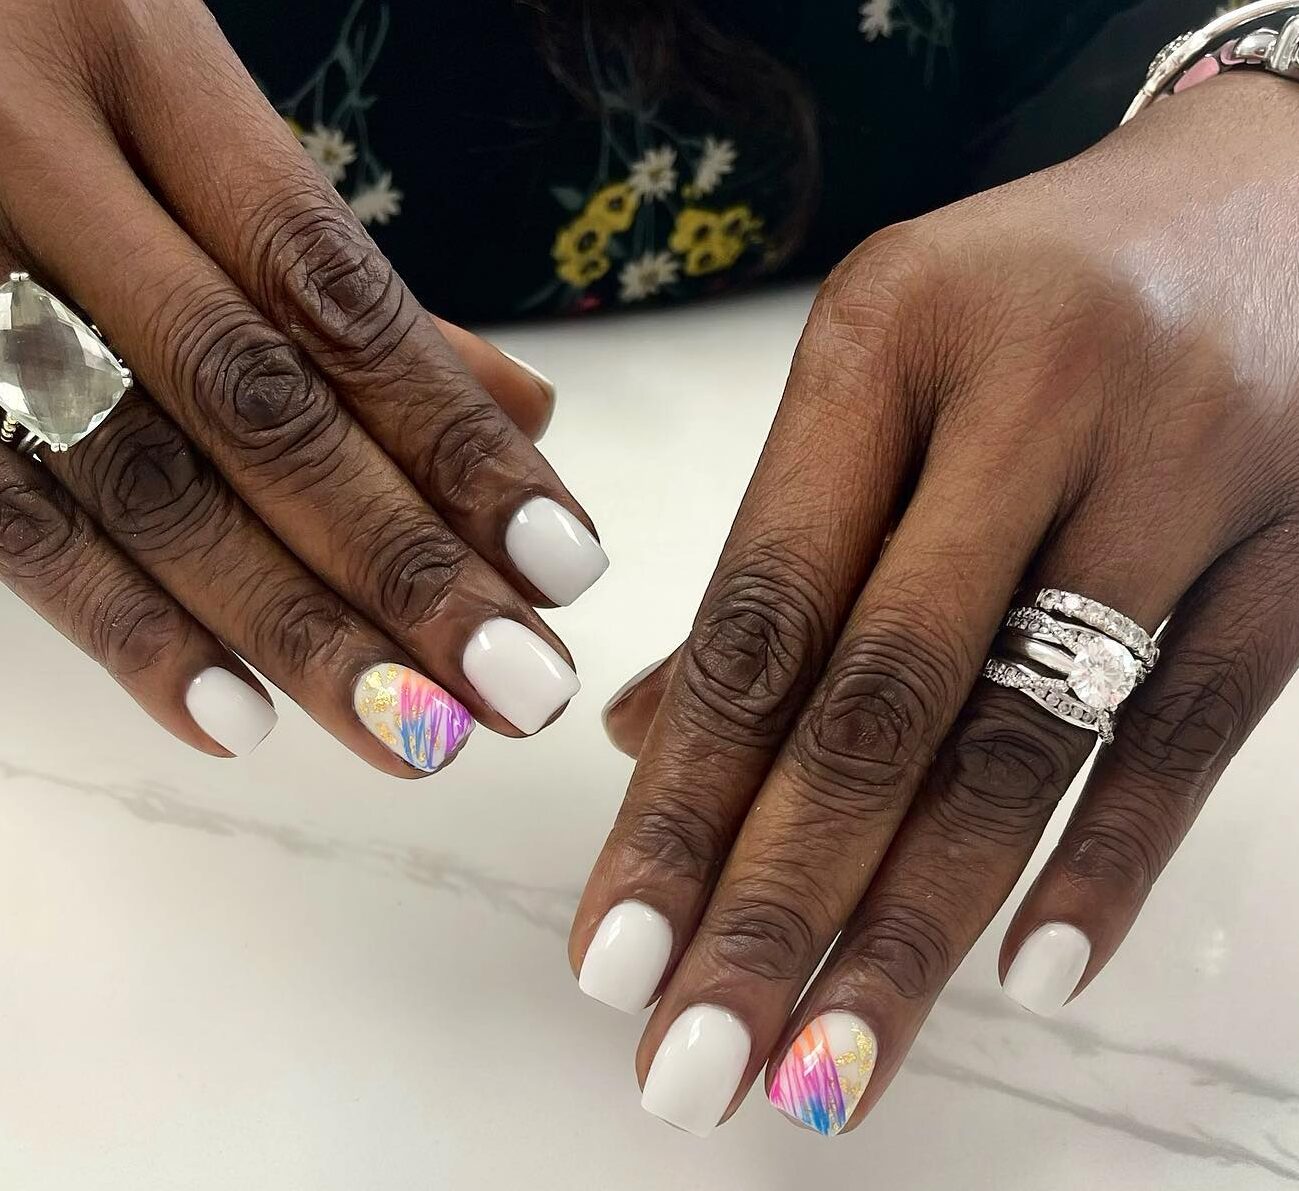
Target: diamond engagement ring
{"type": "Point", "coordinates": [1077, 658]}
{"type": "Point", "coordinates": [58, 378]}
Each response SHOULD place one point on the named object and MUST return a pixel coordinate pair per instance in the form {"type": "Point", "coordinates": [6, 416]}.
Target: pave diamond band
{"type": "Point", "coordinates": [58, 378]}
{"type": "Point", "coordinates": [1078, 658]}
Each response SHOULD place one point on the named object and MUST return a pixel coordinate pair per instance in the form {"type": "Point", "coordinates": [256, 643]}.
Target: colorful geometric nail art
{"type": "Point", "coordinates": [412, 715]}
{"type": "Point", "coordinates": [826, 1071]}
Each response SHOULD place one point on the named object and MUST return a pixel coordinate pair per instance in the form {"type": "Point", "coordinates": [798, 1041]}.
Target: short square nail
{"type": "Point", "coordinates": [554, 550]}
{"type": "Point", "coordinates": [540, 377]}
{"type": "Point", "coordinates": [237, 717]}
{"type": "Point", "coordinates": [1046, 969]}
{"type": "Point", "coordinates": [822, 1077]}
{"type": "Point", "coordinates": [518, 674]}
{"type": "Point", "coordinates": [413, 716]}
{"type": "Point", "coordinates": [627, 957]}
{"type": "Point", "coordinates": [697, 1069]}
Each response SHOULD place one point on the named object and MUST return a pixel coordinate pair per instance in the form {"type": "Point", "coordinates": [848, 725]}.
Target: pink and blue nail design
{"type": "Point", "coordinates": [412, 715]}
{"type": "Point", "coordinates": [822, 1078]}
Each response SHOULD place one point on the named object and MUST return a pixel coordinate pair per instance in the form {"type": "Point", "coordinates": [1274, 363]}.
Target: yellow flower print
{"type": "Point", "coordinates": [694, 230]}
{"type": "Point", "coordinates": [581, 271]}
{"type": "Point", "coordinates": [614, 206]}
{"type": "Point", "coordinates": [585, 236]}
{"type": "Point", "coordinates": [720, 253]}
{"type": "Point", "coordinates": [740, 223]}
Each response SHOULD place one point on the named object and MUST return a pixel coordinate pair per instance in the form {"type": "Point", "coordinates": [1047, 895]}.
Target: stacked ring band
{"type": "Point", "coordinates": [1075, 657]}
{"type": "Point", "coordinates": [58, 378]}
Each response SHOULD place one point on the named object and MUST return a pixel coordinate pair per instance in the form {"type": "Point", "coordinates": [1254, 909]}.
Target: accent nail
{"type": "Point", "coordinates": [822, 1078]}
{"type": "Point", "coordinates": [540, 377]}
{"type": "Point", "coordinates": [412, 715]}
{"type": "Point", "coordinates": [627, 687]}
{"type": "Point", "coordinates": [518, 674]}
{"type": "Point", "coordinates": [554, 550]}
{"type": "Point", "coordinates": [237, 717]}
{"type": "Point", "coordinates": [697, 1069]}
{"type": "Point", "coordinates": [626, 959]}
{"type": "Point", "coordinates": [1045, 972]}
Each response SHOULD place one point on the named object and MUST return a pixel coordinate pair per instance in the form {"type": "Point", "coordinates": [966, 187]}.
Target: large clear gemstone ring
{"type": "Point", "coordinates": [58, 378]}
{"type": "Point", "coordinates": [1074, 656]}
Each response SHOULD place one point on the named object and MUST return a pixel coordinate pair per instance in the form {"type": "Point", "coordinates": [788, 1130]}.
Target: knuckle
{"type": "Point", "coordinates": [414, 572]}
{"type": "Point", "coordinates": [1123, 846]}
{"type": "Point", "coordinates": [908, 946]}
{"type": "Point", "coordinates": [148, 483]}
{"type": "Point", "coordinates": [677, 833]}
{"type": "Point", "coordinates": [763, 930]}
{"type": "Point", "coordinates": [304, 628]}
{"type": "Point", "coordinates": [1008, 765]}
{"type": "Point", "coordinates": [464, 452]}
{"type": "Point", "coordinates": [130, 625]}
{"type": "Point", "coordinates": [41, 530]}
{"type": "Point", "coordinates": [869, 730]}
{"type": "Point", "coordinates": [317, 261]}
{"type": "Point", "coordinates": [757, 647]}
{"type": "Point", "coordinates": [256, 387]}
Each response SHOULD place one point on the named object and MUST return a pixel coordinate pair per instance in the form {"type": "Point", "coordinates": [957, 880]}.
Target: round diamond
{"type": "Point", "coordinates": [1103, 673]}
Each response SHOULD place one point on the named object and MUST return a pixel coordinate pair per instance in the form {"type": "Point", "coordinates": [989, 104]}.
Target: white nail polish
{"type": "Point", "coordinates": [540, 377]}
{"type": "Point", "coordinates": [697, 1069]}
{"type": "Point", "coordinates": [518, 674]}
{"type": "Point", "coordinates": [625, 961]}
{"type": "Point", "coordinates": [1047, 968]}
{"type": "Point", "coordinates": [229, 710]}
{"type": "Point", "coordinates": [554, 550]}
{"type": "Point", "coordinates": [635, 680]}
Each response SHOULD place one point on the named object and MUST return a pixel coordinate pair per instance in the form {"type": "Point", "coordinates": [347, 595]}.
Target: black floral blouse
{"type": "Point", "coordinates": [514, 156]}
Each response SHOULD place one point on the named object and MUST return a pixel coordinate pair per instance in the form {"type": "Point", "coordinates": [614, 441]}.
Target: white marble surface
{"type": "Point", "coordinates": [289, 972]}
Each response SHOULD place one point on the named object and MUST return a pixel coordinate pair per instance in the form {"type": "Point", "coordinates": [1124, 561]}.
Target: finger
{"type": "Point", "coordinates": [908, 657]}
{"type": "Point", "coordinates": [283, 234]}
{"type": "Point", "coordinates": [242, 393]}
{"type": "Point", "coordinates": [56, 561]}
{"type": "Point", "coordinates": [166, 507]}
{"type": "Point", "coordinates": [1231, 648]}
{"type": "Point", "coordinates": [796, 557]}
{"type": "Point", "coordinates": [525, 395]}
{"type": "Point", "coordinates": [631, 708]}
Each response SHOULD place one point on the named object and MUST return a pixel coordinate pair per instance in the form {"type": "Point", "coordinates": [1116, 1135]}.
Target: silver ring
{"type": "Point", "coordinates": [1074, 656]}
{"type": "Point", "coordinates": [59, 380]}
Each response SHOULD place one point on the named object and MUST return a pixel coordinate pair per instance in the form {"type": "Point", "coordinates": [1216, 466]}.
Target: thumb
{"type": "Point", "coordinates": [629, 713]}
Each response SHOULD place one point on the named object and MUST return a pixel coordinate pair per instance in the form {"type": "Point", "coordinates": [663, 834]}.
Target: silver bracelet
{"type": "Point", "coordinates": [1242, 37]}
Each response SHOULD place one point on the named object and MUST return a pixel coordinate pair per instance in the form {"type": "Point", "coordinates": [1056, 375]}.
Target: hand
{"type": "Point", "coordinates": [1087, 379]}
{"type": "Point", "coordinates": [323, 477]}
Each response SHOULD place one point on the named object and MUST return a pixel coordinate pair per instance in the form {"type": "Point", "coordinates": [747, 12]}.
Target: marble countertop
{"type": "Point", "coordinates": [288, 972]}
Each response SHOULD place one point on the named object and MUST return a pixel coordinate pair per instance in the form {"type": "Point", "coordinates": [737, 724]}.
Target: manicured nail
{"type": "Point", "coordinates": [821, 1079]}
{"type": "Point", "coordinates": [412, 715]}
{"type": "Point", "coordinates": [626, 959]}
{"type": "Point", "coordinates": [697, 1069]}
{"type": "Point", "coordinates": [518, 674]}
{"type": "Point", "coordinates": [541, 378]}
{"type": "Point", "coordinates": [1045, 972]}
{"type": "Point", "coordinates": [554, 550]}
{"type": "Point", "coordinates": [237, 717]}
{"type": "Point", "coordinates": [627, 687]}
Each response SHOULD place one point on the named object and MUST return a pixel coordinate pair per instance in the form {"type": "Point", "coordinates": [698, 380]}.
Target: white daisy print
{"type": "Point", "coordinates": [715, 162]}
{"type": "Point", "coordinates": [647, 275]}
{"type": "Point", "coordinates": [378, 202]}
{"type": "Point", "coordinates": [330, 150]}
{"type": "Point", "coordinates": [654, 176]}
{"type": "Point", "coordinates": [876, 19]}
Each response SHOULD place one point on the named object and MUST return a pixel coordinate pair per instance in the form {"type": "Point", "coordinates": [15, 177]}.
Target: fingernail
{"type": "Point", "coordinates": [547, 385]}
{"type": "Point", "coordinates": [554, 550]}
{"type": "Point", "coordinates": [412, 715]}
{"type": "Point", "coordinates": [627, 687]}
{"type": "Point", "coordinates": [697, 1069]}
{"type": "Point", "coordinates": [626, 959]}
{"type": "Point", "coordinates": [237, 717]}
{"type": "Point", "coordinates": [518, 674]}
{"type": "Point", "coordinates": [1045, 972]}
{"type": "Point", "coordinates": [822, 1078]}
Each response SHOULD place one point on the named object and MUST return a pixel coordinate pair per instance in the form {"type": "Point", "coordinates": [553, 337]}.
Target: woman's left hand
{"type": "Point", "coordinates": [1086, 380]}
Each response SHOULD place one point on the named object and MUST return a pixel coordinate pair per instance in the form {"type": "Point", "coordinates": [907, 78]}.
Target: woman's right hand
{"type": "Point", "coordinates": [322, 478]}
